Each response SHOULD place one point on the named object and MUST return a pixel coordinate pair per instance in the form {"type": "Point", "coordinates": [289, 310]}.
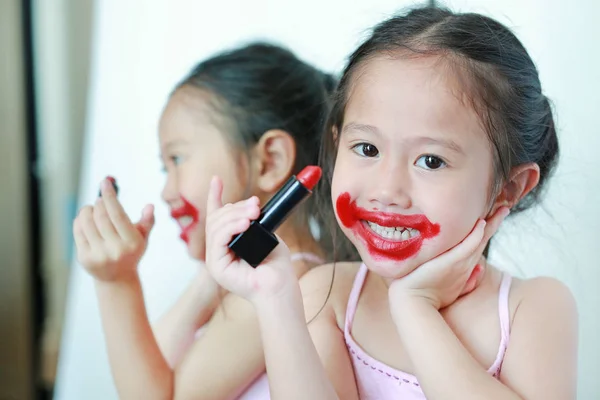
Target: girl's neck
{"type": "Point", "coordinates": [299, 239]}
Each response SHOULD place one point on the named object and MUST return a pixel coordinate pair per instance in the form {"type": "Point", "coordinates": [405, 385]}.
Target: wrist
{"type": "Point", "coordinates": [410, 308]}
{"type": "Point", "coordinates": [287, 299]}
{"type": "Point", "coordinates": [404, 302]}
{"type": "Point", "coordinates": [206, 288]}
{"type": "Point", "coordinates": [121, 291]}
{"type": "Point", "coordinates": [129, 279]}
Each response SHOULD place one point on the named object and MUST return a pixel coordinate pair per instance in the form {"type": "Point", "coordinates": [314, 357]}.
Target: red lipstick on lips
{"type": "Point", "coordinates": [186, 210]}
{"type": "Point", "coordinates": [355, 218]}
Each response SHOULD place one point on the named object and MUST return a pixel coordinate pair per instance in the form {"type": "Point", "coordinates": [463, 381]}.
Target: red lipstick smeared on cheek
{"type": "Point", "coordinates": [188, 210]}
{"type": "Point", "coordinates": [354, 217]}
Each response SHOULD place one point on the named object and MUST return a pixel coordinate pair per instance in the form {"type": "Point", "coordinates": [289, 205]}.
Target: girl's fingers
{"type": "Point", "coordinates": [118, 217]}
{"type": "Point", "coordinates": [243, 209]}
{"type": "Point", "coordinates": [466, 248]}
{"type": "Point", "coordinates": [80, 240]}
{"type": "Point", "coordinates": [492, 226]}
{"type": "Point", "coordinates": [223, 236]}
{"type": "Point", "coordinates": [215, 194]}
{"type": "Point", "coordinates": [88, 226]}
{"type": "Point", "coordinates": [103, 223]}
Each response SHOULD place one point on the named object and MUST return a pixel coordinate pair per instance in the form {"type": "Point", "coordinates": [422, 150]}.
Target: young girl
{"type": "Point", "coordinates": [439, 127]}
{"type": "Point", "coordinates": [254, 116]}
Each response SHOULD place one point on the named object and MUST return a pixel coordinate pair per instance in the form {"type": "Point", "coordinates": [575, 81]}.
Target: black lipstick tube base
{"type": "Point", "coordinates": [254, 245]}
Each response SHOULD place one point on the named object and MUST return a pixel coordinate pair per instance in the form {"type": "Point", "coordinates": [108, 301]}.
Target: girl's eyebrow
{"type": "Point", "coordinates": [174, 143]}
{"type": "Point", "coordinates": [361, 127]}
{"type": "Point", "coordinates": [371, 129]}
{"type": "Point", "coordinates": [447, 143]}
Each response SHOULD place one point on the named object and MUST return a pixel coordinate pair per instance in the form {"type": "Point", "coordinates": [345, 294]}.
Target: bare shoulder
{"type": "Point", "coordinates": [544, 302]}
{"type": "Point", "coordinates": [544, 332]}
{"type": "Point", "coordinates": [543, 293]}
{"type": "Point", "coordinates": [325, 289]}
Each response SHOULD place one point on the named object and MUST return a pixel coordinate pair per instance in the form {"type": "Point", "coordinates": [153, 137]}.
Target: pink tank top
{"type": "Point", "coordinates": [259, 389]}
{"type": "Point", "coordinates": [376, 380]}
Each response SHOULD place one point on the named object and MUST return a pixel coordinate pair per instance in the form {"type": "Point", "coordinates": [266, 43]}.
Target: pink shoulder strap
{"type": "Point", "coordinates": [504, 315]}
{"type": "Point", "coordinates": [357, 286]}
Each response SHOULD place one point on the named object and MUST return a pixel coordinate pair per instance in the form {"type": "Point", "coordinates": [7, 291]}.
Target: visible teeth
{"type": "Point", "coordinates": [396, 233]}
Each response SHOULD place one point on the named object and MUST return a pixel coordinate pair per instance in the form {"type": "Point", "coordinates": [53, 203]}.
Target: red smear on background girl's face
{"type": "Point", "coordinates": [187, 216]}
{"type": "Point", "coordinates": [357, 219]}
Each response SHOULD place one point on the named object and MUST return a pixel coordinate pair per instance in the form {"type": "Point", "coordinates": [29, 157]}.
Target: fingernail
{"type": "Point", "coordinates": [106, 185]}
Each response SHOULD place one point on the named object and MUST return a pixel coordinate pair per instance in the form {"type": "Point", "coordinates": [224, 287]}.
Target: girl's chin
{"type": "Point", "coordinates": [197, 254]}
{"type": "Point", "coordinates": [195, 247]}
{"type": "Point", "coordinates": [389, 269]}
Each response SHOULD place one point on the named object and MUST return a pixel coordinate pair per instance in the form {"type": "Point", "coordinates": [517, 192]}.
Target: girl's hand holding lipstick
{"type": "Point", "coordinates": [459, 265]}
{"type": "Point", "coordinates": [234, 274]}
{"type": "Point", "coordinates": [108, 244]}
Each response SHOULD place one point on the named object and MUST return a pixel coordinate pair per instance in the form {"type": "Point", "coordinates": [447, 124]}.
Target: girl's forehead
{"type": "Point", "coordinates": [411, 94]}
{"type": "Point", "coordinates": [190, 115]}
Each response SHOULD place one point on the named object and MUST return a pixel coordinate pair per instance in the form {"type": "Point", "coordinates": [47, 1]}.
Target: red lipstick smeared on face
{"type": "Point", "coordinates": [357, 219]}
{"type": "Point", "coordinates": [187, 217]}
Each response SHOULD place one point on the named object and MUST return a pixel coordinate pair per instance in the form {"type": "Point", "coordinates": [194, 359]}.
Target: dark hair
{"type": "Point", "coordinates": [502, 81]}
{"type": "Point", "coordinates": [260, 87]}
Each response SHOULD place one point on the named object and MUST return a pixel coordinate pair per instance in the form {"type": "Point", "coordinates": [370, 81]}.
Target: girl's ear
{"type": "Point", "coordinates": [523, 178]}
{"type": "Point", "coordinates": [274, 157]}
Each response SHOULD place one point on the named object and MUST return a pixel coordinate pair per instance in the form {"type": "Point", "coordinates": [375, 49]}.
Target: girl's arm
{"type": "Point", "coordinates": [292, 360]}
{"type": "Point", "coordinates": [228, 356]}
{"type": "Point", "coordinates": [138, 367]}
{"type": "Point", "coordinates": [176, 329]}
{"type": "Point", "coordinates": [543, 343]}
{"type": "Point", "coordinates": [541, 361]}
{"type": "Point", "coordinates": [219, 365]}
{"type": "Point", "coordinates": [110, 246]}
{"type": "Point", "coordinates": [306, 362]}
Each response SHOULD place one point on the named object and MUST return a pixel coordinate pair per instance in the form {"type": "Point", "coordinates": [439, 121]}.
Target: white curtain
{"type": "Point", "coordinates": [61, 35]}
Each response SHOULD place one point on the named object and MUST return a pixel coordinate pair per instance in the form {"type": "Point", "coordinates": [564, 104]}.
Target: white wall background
{"type": "Point", "coordinates": [140, 52]}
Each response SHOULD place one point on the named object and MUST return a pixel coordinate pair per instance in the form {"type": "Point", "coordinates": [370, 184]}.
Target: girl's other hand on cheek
{"type": "Point", "coordinates": [445, 278]}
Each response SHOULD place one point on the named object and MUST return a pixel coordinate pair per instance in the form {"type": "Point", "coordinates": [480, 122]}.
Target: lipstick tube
{"type": "Point", "coordinates": [255, 244]}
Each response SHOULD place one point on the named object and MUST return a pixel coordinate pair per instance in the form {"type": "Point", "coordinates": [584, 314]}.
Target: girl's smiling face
{"type": "Point", "coordinates": [414, 167]}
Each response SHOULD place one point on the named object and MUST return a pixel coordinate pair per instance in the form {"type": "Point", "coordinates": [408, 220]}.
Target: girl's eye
{"type": "Point", "coordinates": [366, 150]}
{"type": "Point", "coordinates": [430, 162]}
{"type": "Point", "coordinates": [176, 160]}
